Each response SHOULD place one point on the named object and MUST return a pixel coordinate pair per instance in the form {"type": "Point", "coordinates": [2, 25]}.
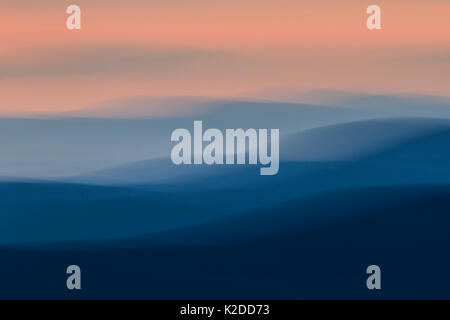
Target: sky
{"type": "Point", "coordinates": [212, 48]}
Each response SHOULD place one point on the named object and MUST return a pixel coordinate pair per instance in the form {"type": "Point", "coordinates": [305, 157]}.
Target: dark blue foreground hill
{"type": "Point", "coordinates": [271, 254]}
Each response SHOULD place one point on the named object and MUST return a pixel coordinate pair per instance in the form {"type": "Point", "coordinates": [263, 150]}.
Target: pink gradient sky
{"type": "Point", "coordinates": [216, 48]}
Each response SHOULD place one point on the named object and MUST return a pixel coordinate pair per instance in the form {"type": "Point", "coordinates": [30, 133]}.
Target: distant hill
{"type": "Point", "coordinates": [322, 157]}
{"type": "Point", "coordinates": [353, 140]}
{"type": "Point", "coordinates": [407, 103]}
{"type": "Point", "coordinates": [56, 147]}
{"type": "Point", "coordinates": [124, 131]}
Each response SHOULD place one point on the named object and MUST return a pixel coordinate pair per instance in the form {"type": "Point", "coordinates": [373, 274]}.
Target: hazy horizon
{"type": "Point", "coordinates": [216, 49]}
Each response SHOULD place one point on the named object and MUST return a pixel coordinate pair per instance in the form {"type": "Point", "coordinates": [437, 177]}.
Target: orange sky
{"type": "Point", "coordinates": [216, 47]}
